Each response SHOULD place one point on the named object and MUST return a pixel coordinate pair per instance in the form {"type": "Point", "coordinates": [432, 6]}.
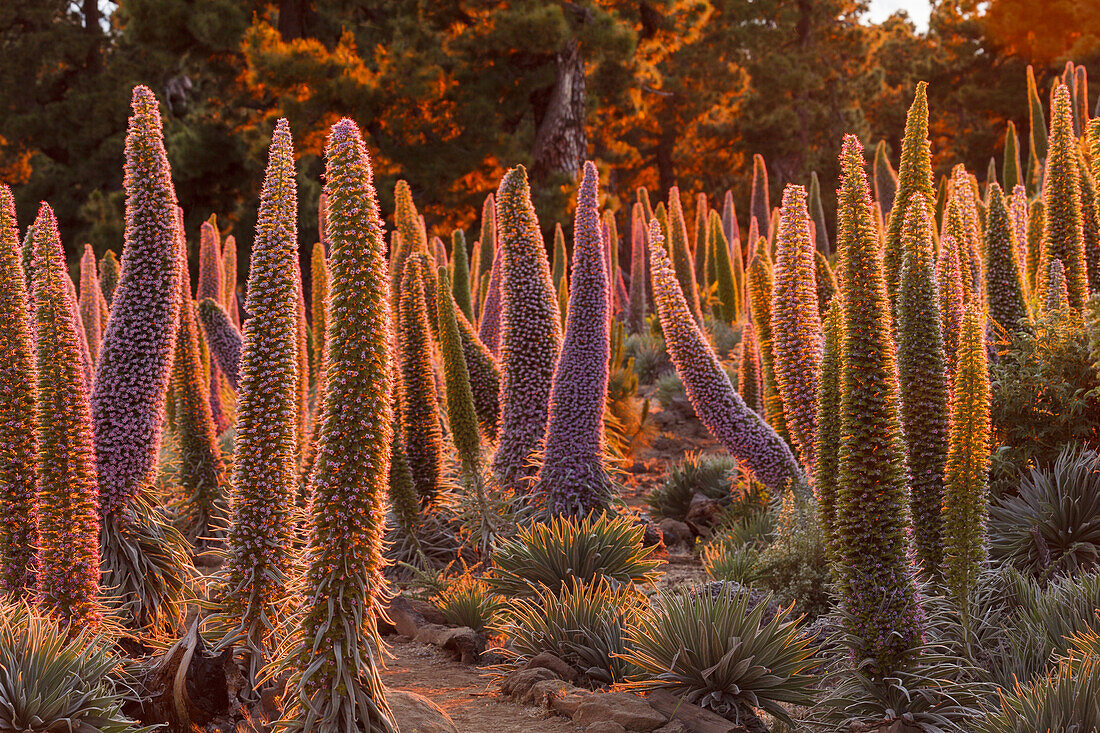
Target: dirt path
{"type": "Point", "coordinates": [462, 691]}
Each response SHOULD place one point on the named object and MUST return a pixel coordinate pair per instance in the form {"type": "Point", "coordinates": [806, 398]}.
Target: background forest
{"type": "Point", "coordinates": [450, 94]}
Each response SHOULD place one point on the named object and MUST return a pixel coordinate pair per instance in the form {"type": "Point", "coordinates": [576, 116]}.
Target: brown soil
{"type": "Point", "coordinates": [464, 692]}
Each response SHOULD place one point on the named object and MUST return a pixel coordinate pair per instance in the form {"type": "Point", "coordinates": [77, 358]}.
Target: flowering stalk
{"type": "Point", "coordinates": [749, 385]}
{"type": "Point", "coordinates": [224, 340]}
{"type": "Point", "coordinates": [1003, 278]}
{"type": "Point", "coordinates": [109, 272]}
{"type": "Point", "coordinates": [229, 280]}
{"type": "Point", "coordinates": [91, 312]}
{"type": "Point", "coordinates": [461, 277]}
{"type": "Point", "coordinates": [1062, 234]}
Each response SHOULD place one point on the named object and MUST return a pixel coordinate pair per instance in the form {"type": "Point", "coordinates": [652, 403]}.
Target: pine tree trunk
{"type": "Point", "coordinates": [561, 141]}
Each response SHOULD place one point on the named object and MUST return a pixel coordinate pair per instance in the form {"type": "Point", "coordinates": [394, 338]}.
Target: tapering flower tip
{"type": "Point", "coordinates": [1090, 223]}
{"type": "Point", "coordinates": [211, 275]}
{"type": "Point", "coordinates": [950, 279]}
{"type": "Point", "coordinates": [489, 325]}
{"type": "Point", "coordinates": [18, 421]}
{"type": "Point", "coordinates": [886, 180]}
{"type": "Point", "coordinates": [67, 495]}
{"type": "Point", "coordinates": [759, 208]}
{"type": "Point", "coordinates": [334, 673]}
{"type": "Point", "coordinates": [488, 235]}
{"type": "Point", "coordinates": [408, 225]}
{"type": "Point", "coordinates": [109, 271]}
{"type": "Point", "coordinates": [1062, 230]}
{"type": "Point", "coordinates": [679, 253]}
{"type": "Point", "coordinates": [461, 413]}
{"type": "Point", "coordinates": [743, 433]}
{"type": "Point", "coordinates": [828, 427]}
{"type": "Point", "coordinates": [1003, 276]}
{"type": "Point", "coordinates": [749, 383]}
{"type": "Point", "coordinates": [796, 322]}
{"type": "Point", "coordinates": [484, 378]}
{"type": "Point", "coordinates": [922, 371]}
{"type": "Point", "coordinates": [319, 286]}
{"type": "Point", "coordinates": [90, 296]}
{"type": "Point", "coordinates": [530, 330]}
{"type": "Point", "coordinates": [1012, 170]}
{"type": "Point", "coordinates": [879, 590]}
{"type": "Point", "coordinates": [560, 265]}
{"type": "Point", "coordinates": [1057, 295]}
{"type": "Point", "coordinates": [419, 402]}
{"type": "Point", "coordinates": [966, 493]}
{"type": "Point", "coordinates": [639, 281]}
{"type": "Point", "coordinates": [135, 364]}
{"type": "Point", "coordinates": [826, 282]}
{"type": "Point", "coordinates": [223, 338]}
{"type": "Point", "coordinates": [460, 264]}
{"type": "Point", "coordinates": [573, 480]}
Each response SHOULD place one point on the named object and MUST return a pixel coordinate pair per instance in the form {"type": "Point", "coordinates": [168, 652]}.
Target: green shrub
{"type": "Point", "coordinates": [650, 356]}
{"type": "Point", "coordinates": [730, 561]}
{"type": "Point", "coordinates": [710, 475]}
{"type": "Point", "coordinates": [794, 567]}
{"type": "Point", "coordinates": [468, 601]}
{"type": "Point", "coordinates": [585, 624]}
{"type": "Point", "coordinates": [1053, 526]}
{"type": "Point", "coordinates": [1045, 393]}
{"type": "Point", "coordinates": [53, 681]}
{"type": "Point", "coordinates": [552, 554]}
{"type": "Point", "coordinates": [723, 337]}
{"type": "Point", "coordinates": [716, 651]}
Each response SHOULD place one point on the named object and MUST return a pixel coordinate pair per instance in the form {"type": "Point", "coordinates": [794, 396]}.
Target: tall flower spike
{"type": "Point", "coordinates": [211, 285]}
{"type": "Point", "coordinates": [886, 180]}
{"type": "Point", "coordinates": [1037, 151]}
{"type": "Point", "coordinates": [558, 267]}
{"type": "Point", "coordinates": [573, 480]}
{"type": "Point", "coordinates": [531, 326]}
{"type": "Point", "coordinates": [749, 385]}
{"type": "Point", "coordinates": [679, 254]}
{"type": "Point", "coordinates": [961, 223]}
{"type": "Point", "coordinates": [1090, 222]}
{"type": "Point", "coordinates": [461, 414]}
{"type": "Point", "coordinates": [489, 325]}
{"type": "Point", "coordinates": [828, 429]}
{"type": "Point", "coordinates": [879, 592]}
{"type": "Point", "coordinates": [922, 375]}
{"type": "Point", "coordinates": [91, 315]}
{"type": "Point", "coordinates": [914, 176]}
{"type": "Point", "coordinates": [966, 495]}
{"type": "Point", "coordinates": [109, 272]}
{"type": "Point", "coordinates": [760, 283]}
{"type": "Point", "coordinates": [318, 297]}
{"type": "Point", "coordinates": [1012, 172]}
{"type": "Point", "coordinates": [204, 506]}
{"type": "Point", "coordinates": [759, 208]}
{"type": "Point", "coordinates": [460, 264]}
{"type": "Point", "coordinates": [1035, 224]}
{"type": "Point", "coordinates": [229, 279]}
{"type": "Point", "coordinates": [408, 224]}
{"type": "Point", "coordinates": [950, 280]}
{"type": "Point", "coordinates": [484, 378]}
{"type": "Point", "coordinates": [817, 212]}
{"type": "Point", "coordinates": [796, 323]}
{"type": "Point", "coordinates": [135, 363]}
{"type": "Point", "coordinates": [825, 280]}
{"type": "Point", "coordinates": [700, 241]}
{"type": "Point", "coordinates": [18, 421]}
{"type": "Point", "coordinates": [743, 433]}
{"type": "Point", "coordinates": [335, 686]}
{"type": "Point", "coordinates": [1062, 236]}
{"type": "Point", "coordinates": [1057, 295]}
{"type": "Point", "coordinates": [419, 402]}
{"type": "Point", "coordinates": [67, 496]}
{"type": "Point", "coordinates": [1017, 211]}
{"type": "Point", "coordinates": [639, 280]}
{"type": "Point", "coordinates": [729, 299]}
{"type": "Point", "coordinates": [729, 220]}
{"type": "Point", "coordinates": [265, 468]}
{"type": "Point", "coordinates": [488, 236]}
{"type": "Point", "coordinates": [224, 340]}
{"type": "Point", "coordinates": [1003, 279]}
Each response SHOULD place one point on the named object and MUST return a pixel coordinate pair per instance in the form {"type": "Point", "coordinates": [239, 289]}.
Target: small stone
{"type": "Point", "coordinates": [541, 693]}
{"type": "Point", "coordinates": [519, 682]}
{"type": "Point", "coordinates": [629, 711]}
{"type": "Point", "coordinates": [464, 643]}
{"type": "Point", "coordinates": [675, 532]}
{"type": "Point", "coordinates": [417, 714]}
{"type": "Point", "coordinates": [553, 663]}
{"type": "Point", "coordinates": [605, 726]}
{"type": "Point", "coordinates": [566, 702]}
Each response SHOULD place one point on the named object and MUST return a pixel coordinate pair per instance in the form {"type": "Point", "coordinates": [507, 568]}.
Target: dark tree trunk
{"type": "Point", "coordinates": [561, 142]}
{"type": "Point", "coordinates": [90, 10]}
{"type": "Point", "coordinates": [295, 19]}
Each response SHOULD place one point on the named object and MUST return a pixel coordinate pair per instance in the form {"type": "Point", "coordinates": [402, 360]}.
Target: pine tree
{"type": "Point", "coordinates": [759, 208]}
{"type": "Point", "coordinates": [109, 270]}
{"type": "Point", "coordinates": [18, 421]}
{"type": "Point", "coordinates": [136, 359]}
{"type": "Point", "coordinates": [922, 375]}
{"type": "Point", "coordinates": [1012, 173]}
{"type": "Point", "coordinates": [204, 505]}
{"type": "Point", "coordinates": [639, 279]}
{"type": "Point", "coordinates": [224, 340]}
{"type": "Point", "coordinates": [796, 323]}
{"type": "Point", "coordinates": [90, 310]}
{"type": "Point", "coordinates": [914, 176]}
{"type": "Point", "coordinates": [461, 274]}
{"type": "Point", "coordinates": [531, 331]}
{"type": "Point", "coordinates": [966, 494]}
{"type": "Point", "coordinates": [419, 402]}
{"type": "Point", "coordinates": [66, 490]}
{"type": "Point", "coordinates": [1003, 280]}
{"type": "Point", "coordinates": [229, 281]}
{"type": "Point", "coordinates": [335, 684]}
{"type": "Point", "coordinates": [825, 281]}
{"type": "Point", "coordinates": [573, 480]}
{"type": "Point", "coordinates": [728, 297]}
{"type": "Point", "coordinates": [828, 428]}
{"type": "Point", "coordinates": [265, 471]}
{"type": "Point", "coordinates": [749, 385]}
{"type": "Point", "coordinates": [879, 593]}
{"type": "Point", "coordinates": [679, 254]}
{"type": "Point", "coordinates": [760, 284]}
{"type": "Point", "coordinates": [750, 440]}
{"type": "Point", "coordinates": [1062, 238]}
